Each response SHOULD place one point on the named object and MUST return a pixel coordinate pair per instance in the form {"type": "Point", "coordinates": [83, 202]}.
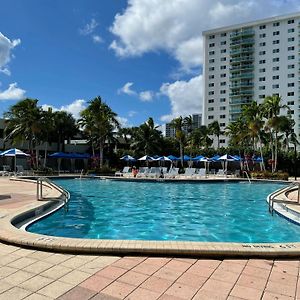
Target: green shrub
{"type": "Point", "coordinates": [269, 175]}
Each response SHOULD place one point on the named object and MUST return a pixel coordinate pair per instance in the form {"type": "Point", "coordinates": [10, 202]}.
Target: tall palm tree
{"type": "Point", "coordinates": [98, 120]}
{"type": "Point", "coordinates": [178, 124]}
{"type": "Point", "coordinates": [215, 129]}
{"type": "Point", "coordinates": [23, 123]}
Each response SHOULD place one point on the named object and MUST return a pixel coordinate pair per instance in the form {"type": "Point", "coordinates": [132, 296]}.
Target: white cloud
{"type": "Point", "coordinates": [97, 39]}
{"type": "Point", "coordinates": [185, 97]}
{"type": "Point", "coordinates": [12, 93]}
{"type": "Point", "coordinates": [6, 46]}
{"type": "Point", "coordinates": [126, 89]}
{"type": "Point", "coordinates": [176, 26]}
{"type": "Point", "coordinates": [89, 28]}
{"type": "Point", "coordinates": [74, 108]}
{"type": "Point", "coordinates": [146, 96]}
{"type": "Point", "coordinates": [123, 121]}
{"type": "Point", "coordinates": [132, 113]}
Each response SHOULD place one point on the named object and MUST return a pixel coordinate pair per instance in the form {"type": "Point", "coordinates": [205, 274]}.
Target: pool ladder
{"type": "Point", "coordinates": [39, 190]}
{"type": "Point", "coordinates": [272, 197]}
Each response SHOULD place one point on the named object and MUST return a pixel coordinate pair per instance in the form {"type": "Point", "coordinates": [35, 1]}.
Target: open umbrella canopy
{"type": "Point", "coordinates": [163, 158]}
{"type": "Point", "coordinates": [227, 157]}
{"type": "Point", "coordinates": [128, 158]}
{"type": "Point", "coordinates": [173, 158]}
{"type": "Point", "coordinates": [70, 155]}
{"type": "Point", "coordinates": [13, 152]}
{"type": "Point", "coordinates": [146, 157]}
{"type": "Point", "coordinates": [59, 155]}
{"type": "Point", "coordinates": [186, 158]}
{"type": "Point", "coordinates": [198, 158]}
{"type": "Point", "coordinates": [215, 158]}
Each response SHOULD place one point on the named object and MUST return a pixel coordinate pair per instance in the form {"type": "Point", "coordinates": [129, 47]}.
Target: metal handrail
{"type": "Point", "coordinates": [278, 192]}
{"type": "Point", "coordinates": [39, 195]}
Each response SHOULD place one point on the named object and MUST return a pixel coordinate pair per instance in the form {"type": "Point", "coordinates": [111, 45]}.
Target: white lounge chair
{"type": "Point", "coordinates": [5, 171]}
{"type": "Point", "coordinates": [19, 170]}
{"type": "Point", "coordinates": [143, 172]}
{"type": "Point", "coordinates": [154, 172]}
{"type": "Point", "coordinates": [125, 171]}
{"type": "Point", "coordinates": [189, 172]}
{"type": "Point", "coordinates": [201, 172]}
{"type": "Point", "coordinates": [221, 172]}
{"type": "Point", "coordinates": [173, 172]}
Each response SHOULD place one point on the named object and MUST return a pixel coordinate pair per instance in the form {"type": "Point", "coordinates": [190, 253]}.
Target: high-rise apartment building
{"type": "Point", "coordinates": [248, 62]}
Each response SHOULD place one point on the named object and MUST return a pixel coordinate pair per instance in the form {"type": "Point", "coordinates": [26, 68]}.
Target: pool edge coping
{"type": "Point", "coordinates": [12, 235]}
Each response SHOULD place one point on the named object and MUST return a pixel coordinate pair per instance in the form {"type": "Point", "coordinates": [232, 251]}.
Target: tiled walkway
{"type": "Point", "coordinates": [30, 274]}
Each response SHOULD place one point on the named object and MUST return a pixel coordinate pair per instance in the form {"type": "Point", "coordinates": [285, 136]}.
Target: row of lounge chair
{"type": "Point", "coordinates": [163, 172]}
{"type": "Point", "coordinates": [6, 170]}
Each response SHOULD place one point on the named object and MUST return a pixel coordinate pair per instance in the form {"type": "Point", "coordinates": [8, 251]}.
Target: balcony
{"type": "Point", "coordinates": [241, 67]}
{"type": "Point", "coordinates": [244, 58]}
{"type": "Point", "coordinates": [241, 76]}
{"type": "Point", "coordinates": [241, 51]}
{"type": "Point", "coordinates": [241, 93]}
{"type": "Point", "coordinates": [235, 111]}
{"type": "Point", "coordinates": [242, 42]}
{"type": "Point", "coordinates": [242, 85]}
{"type": "Point", "coordinates": [237, 101]}
{"type": "Point", "coordinates": [242, 33]}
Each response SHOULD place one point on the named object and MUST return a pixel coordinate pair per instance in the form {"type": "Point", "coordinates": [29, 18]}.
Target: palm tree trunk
{"type": "Point", "coordinates": [100, 155]}
{"type": "Point", "coordinates": [276, 151]}
{"type": "Point", "coordinates": [261, 153]}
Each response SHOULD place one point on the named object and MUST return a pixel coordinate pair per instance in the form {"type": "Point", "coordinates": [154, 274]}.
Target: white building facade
{"type": "Point", "coordinates": [248, 62]}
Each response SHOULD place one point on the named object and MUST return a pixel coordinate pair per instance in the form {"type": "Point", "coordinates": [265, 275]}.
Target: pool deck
{"type": "Point", "coordinates": [37, 274]}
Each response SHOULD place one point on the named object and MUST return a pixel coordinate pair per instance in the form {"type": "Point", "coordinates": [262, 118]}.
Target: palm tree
{"type": "Point", "coordinates": [146, 138]}
{"type": "Point", "coordinates": [23, 122]}
{"type": "Point", "coordinates": [99, 121]}
{"type": "Point", "coordinates": [178, 124]}
{"type": "Point", "coordinates": [214, 129]}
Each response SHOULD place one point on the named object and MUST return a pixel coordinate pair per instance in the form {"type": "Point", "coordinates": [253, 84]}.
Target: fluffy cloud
{"type": "Point", "coordinates": [6, 46]}
{"type": "Point", "coordinates": [12, 93]}
{"type": "Point", "coordinates": [97, 39]}
{"type": "Point", "coordinates": [126, 89]}
{"type": "Point", "coordinates": [185, 97]}
{"type": "Point", "coordinates": [176, 26]}
{"type": "Point", "coordinates": [146, 96]}
{"type": "Point", "coordinates": [74, 108]}
{"type": "Point", "coordinates": [89, 29]}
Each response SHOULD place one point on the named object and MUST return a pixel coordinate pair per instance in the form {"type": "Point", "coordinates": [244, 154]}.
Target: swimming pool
{"type": "Point", "coordinates": [211, 212]}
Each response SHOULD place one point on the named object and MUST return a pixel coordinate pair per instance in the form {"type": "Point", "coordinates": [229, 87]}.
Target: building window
{"type": "Point", "coordinates": [211, 69]}
{"type": "Point", "coordinates": [276, 24]}
{"type": "Point", "coordinates": [290, 93]}
{"type": "Point", "coordinates": [275, 86]}
{"type": "Point", "coordinates": [223, 43]}
{"type": "Point", "coordinates": [275, 42]}
{"type": "Point", "coordinates": [211, 45]}
{"type": "Point", "coordinates": [262, 35]}
{"type": "Point", "coordinates": [211, 52]}
{"type": "Point", "coordinates": [291, 84]}
{"type": "Point", "coordinates": [291, 75]}
{"type": "Point", "coordinates": [262, 78]}
{"type": "Point", "coordinates": [223, 92]}
{"type": "Point", "coordinates": [262, 52]}
{"type": "Point", "coordinates": [275, 68]}
{"type": "Point", "coordinates": [262, 96]}
{"type": "Point", "coordinates": [211, 84]}
{"type": "Point", "coordinates": [291, 103]}
{"type": "Point", "coordinates": [222, 107]}
{"type": "Point", "coordinates": [291, 21]}
{"type": "Point", "coordinates": [223, 59]}
{"type": "Point", "coordinates": [222, 99]}
{"type": "Point", "coordinates": [223, 34]}
{"type": "Point", "coordinates": [210, 117]}
{"type": "Point", "coordinates": [222, 124]}
{"type": "Point", "coordinates": [276, 33]}
{"type": "Point", "coordinates": [291, 66]}
{"type": "Point", "coordinates": [211, 60]}
{"type": "Point", "coordinates": [223, 83]}
{"type": "Point", "coordinates": [223, 75]}
{"type": "Point", "coordinates": [290, 112]}
{"type": "Point", "coordinates": [262, 27]}
{"type": "Point", "coordinates": [211, 93]}
{"type": "Point", "coordinates": [211, 100]}
{"type": "Point", "coordinates": [262, 61]}
{"type": "Point", "coordinates": [223, 67]}
{"type": "Point", "coordinates": [291, 39]}
{"type": "Point", "coordinates": [262, 70]}
{"type": "Point", "coordinates": [262, 87]}
{"type": "Point", "coordinates": [222, 116]}
{"type": "Point", "coordinates": [211, 36]}
{"type": "Point", "coordinates": [290, 30]}
{"type": "Point", "coordinates": [291, 48]}
{"type": "Point", "coordinates": [275, 59]}
{"type": "Point", "coordinates": [222, 141]}
{"type": "Point", "coordinates": [275, 77]}
{"type": "Point", "coordinates": [275, 50]}
{"type": "Point", "coordinates": [291, 57]}
{"type": "Point", "coordinates": [210, 109]}
{"type": "Point", "coordinates": [211, 76]}
{"type": "Point", "coordinates": [223, 50]}
{"type": "Point", "coordinates": [262, 44]}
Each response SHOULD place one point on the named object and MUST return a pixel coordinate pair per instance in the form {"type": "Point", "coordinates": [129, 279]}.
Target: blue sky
{"type": "Point", "coordinates": [143, 57]}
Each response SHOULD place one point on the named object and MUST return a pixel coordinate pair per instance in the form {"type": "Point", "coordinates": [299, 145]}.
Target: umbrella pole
{"type": "Point", "coordinates": [15, 164]}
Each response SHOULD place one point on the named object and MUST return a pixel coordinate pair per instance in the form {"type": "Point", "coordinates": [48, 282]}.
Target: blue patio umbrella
{"type": "Point", "coordinates": [128, 158]}
{"type": "Point", "coordinates": [173, 158]}
{"type": "Point", "coordinates": [14, 152]}
{"type": "Point", "coordinates": [59, 155]}
{"type": "Point", "coordinates": [198, 158]}
{"type": "Point", "coordinates": [186, 158]}
{"type": "Point", "coordinates": [214, 158]}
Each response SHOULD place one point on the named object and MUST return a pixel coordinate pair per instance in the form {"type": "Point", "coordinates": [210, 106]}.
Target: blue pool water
{"type": "Point", "coordinates": [214, 212]}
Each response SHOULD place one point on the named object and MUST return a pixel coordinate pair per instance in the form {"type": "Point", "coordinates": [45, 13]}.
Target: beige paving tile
{"type": "Point", "coordinates": [6, 271]}
{"type": "Point", "coordinates": [38, 267]}
{"type": "Point", "coordinates": [40, 255]}
{"type": "Point", "coordinates": [55, 289]}
{"type": "Point", "coordinates": [73, 262]}
{"type": "Point", "coordinates": [8, 258]}
{"type": "Point", "coordinates": [75, 277]}
{"type": "Point", "coordinates": [35, 283]}
{"type": "Point", "coordinates": [23, 252]}
{"type": "Point", "coordinates": [4, 286]}
{"type": "Point", "coordinates": [56, 258]}
{"type": "Point", "coordinates": [14, 293]}
{"type": "Point", "coordinates": [56, 272]}
{"type": "Point", "coordinates": [37, 297]}
{"type": "Point", "coordinates": [18, 277]}
{"type": "Point", "coordinates": [22, 262]}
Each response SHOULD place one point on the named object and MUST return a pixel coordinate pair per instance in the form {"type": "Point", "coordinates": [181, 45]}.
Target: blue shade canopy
{"type": "Point", "coordinates": [13, 152]}
{"type": "Point", "coordinates": [70, 155]}
{"type": "Point", "coordinates": [185, 158]}
{"type": "Point", "coordinates": [59, 155]}
{"type": "Point", "coordinates": [173, 158]}
{"type": "Point", "coordinates": [215, 158]}
{"type": "Point", "coordinates": [198, 158]}
{"type": "Point", "coordinates": [163, 158]}
{"type": "Point", "coordinates": [128, 158]}
{"type": "Point", "coordinates": [257, 159]}
{"type": "Point", "coordinates": [146, 157]}
{"type": "Point", "coordinates": [227, 157]}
